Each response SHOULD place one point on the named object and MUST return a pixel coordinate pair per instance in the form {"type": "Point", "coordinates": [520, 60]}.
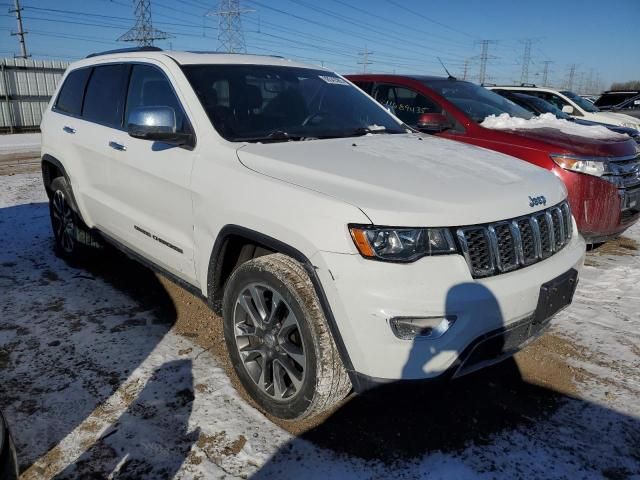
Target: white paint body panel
{"type": "Point", "coordinates": [305, 194]}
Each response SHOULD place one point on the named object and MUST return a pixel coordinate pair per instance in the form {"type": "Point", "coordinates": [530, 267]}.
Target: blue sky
{"type": "Point", "coordinates": [405, 36]}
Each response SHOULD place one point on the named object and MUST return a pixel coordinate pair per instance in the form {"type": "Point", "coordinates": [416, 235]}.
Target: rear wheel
{"type": "Point", "coordinates": [278, 339]}
{"type": "Point", "coordinates": [71, 235]}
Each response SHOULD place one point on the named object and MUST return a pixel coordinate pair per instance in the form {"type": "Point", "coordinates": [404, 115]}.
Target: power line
{"type": "Point", "coordinates": [143, 31]}
{"type": "Point", "coordinates": [230, 33]}
{"type": "Point", "coordinates": [20, 33]}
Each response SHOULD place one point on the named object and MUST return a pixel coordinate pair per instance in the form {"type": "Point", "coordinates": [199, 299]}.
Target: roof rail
{"type": "Point", "coordinates": [126, 50]}
{"type": "Point", "coordinates": [485, 84]}
{"type": "Point", "coordinates": [212, 52]}
{"type": "Point", "coordinates": [528, 85]}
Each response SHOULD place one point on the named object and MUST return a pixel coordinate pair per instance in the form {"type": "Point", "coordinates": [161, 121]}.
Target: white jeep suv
{"type": "Point", "coordinates": [342, 249]}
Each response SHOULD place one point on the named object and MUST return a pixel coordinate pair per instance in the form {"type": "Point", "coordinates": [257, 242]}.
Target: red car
{"type": "Point", "coordinates": [601, 175]}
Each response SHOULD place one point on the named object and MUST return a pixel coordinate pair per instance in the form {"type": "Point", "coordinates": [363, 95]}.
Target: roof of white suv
{"type": "Point", "coordinates": [196, 58]}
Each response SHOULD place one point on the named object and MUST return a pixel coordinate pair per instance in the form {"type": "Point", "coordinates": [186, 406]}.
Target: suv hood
{"type": "Point", "coordinates": [557, 141]}
{"type": "Point", "coordinates": [614, 118]}
{"type": "Point", "coordinates": [409, 180]}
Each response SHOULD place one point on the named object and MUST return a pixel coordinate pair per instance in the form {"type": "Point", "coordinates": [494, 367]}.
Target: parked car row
{"type": "Point", "coordinates": [344, 248]}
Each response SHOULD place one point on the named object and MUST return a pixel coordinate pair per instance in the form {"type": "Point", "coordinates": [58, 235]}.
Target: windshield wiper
{"type": "Point", "coordinates": [358, 132]}
{"type": "Point", "coordinates": [275, 136]}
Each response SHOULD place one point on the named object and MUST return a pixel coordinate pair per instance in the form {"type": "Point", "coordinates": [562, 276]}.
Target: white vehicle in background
{"type": "Point", "coordinates": [342, 250]}
{"type": "Point", "coordinates": [573, 104]}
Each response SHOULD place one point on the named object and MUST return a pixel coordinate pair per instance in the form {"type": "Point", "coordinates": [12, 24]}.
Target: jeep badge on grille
{"type": "Point", "coordinates": [535, 201]}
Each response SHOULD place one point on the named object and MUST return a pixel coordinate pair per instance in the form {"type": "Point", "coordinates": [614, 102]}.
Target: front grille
{"type": "Point", "coordinates": [504, 246]}
{"type": "Point", "coordinates": [624, 172]}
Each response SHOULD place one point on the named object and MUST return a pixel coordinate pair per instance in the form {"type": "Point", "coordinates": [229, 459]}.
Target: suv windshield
{"type": "Point", "coordinates": [280, 103]}
{"type": "Point", "coordinates": [583, 103]}
{"type": "Point", "coordinates": [476, 101]}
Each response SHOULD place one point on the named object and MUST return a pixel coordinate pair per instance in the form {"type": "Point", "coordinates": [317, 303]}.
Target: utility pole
{"type": "Point", "coordinates": [230, 33]}
{"type": "Point", "coordinates": [143, 31]}
{"type": "Point", "coordinates": [545, 72]}
{"type": "Point", "coordinates": [20, 33]}
{"type": "Point", "coordinates": [526, 60]}
{"type": "Point", "coordinates": [365, 59]}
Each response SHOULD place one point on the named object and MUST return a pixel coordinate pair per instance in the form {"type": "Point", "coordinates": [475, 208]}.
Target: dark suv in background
{"type": "Point", "coordinates": [627, 102]}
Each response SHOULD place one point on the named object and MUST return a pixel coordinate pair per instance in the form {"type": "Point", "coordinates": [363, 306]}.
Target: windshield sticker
{"type": "Point", "coordinates": [333, 80]}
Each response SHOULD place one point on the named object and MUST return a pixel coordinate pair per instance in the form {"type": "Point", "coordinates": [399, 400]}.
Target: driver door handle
{"type": "Point", "coordinates": [117, 146]}
{"type": "Point", "coordinates": [69, 129]}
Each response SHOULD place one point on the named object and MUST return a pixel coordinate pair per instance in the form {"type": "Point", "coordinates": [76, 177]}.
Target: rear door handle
{"type": "Point", "coordinates": [69, 129]}
{"type": "Point", "coordinates": [117, 146]}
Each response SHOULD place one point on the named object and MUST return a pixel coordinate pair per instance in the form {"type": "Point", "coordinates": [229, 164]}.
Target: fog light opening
{"type": "Point", "coordinates": [410, 328]}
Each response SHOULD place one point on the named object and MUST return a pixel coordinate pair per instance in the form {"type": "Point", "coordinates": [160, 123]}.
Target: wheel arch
{"type": "Point", "coordinates": [227, 255]}
{"type": "Point", "coordinates": [53, 168]}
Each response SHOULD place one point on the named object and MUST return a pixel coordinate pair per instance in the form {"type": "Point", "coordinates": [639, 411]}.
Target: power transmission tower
{"type": "Point", "coordinates": [572, 74]}
{"type": "Point", "coordinates": [526, 60]}
{"type": "Point", "coordinates": [230, 33]}
{"type": "Point", "coordinates": [143, 32]}
{"type": "Point", "coordinates": [465, 72]}
{"type": "Point", "coordinates": [484, 58]}
{"type": "Point", "coordinates": [20, 33]}
{"type": "Point", "coordinates": [545, 72]}
{"type": "Point", "coordinates": [365, 59]}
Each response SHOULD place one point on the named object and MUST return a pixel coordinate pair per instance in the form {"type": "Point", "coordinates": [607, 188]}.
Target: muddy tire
{"type": "Point", "coordinates": [279, 341]}
{"type": "Point", "coordinates": [73, 239]}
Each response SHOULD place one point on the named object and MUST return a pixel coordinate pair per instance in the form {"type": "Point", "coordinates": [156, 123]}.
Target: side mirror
{"type": "Point", "coordinates": [567, 109]}
{"type": "Point", "coordinates": [433, 122]}
{"type": "Point", "coordinates": [156, 124]}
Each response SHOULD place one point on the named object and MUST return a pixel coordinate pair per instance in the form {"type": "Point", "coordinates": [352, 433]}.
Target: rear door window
{"type": "Point", "coordinates": [407, 104]}
{"type": "Point", "coordinates": [70, 96]}
{"type": "Point", "coordinates": [104, 100]}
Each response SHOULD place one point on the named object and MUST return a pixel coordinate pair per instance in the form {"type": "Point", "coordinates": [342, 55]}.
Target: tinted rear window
{"type": "Point", "coordinates": [612, 99]}
{"type": "Point", "coordinates": [104, 100]}
{"type": "Point", "coordinates": [70, 96]}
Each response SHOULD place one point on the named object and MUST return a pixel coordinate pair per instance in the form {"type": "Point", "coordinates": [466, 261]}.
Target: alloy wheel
{"type": "Point", "coordinates": [268, 338]}
{"type": "Point", "coordinates": [62, 220]}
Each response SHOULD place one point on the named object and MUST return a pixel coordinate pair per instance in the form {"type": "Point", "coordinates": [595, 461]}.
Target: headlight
{"type": "Point", "coordinates": [401, 244]}
{"type": "Point", "coordinates": [591, 166]}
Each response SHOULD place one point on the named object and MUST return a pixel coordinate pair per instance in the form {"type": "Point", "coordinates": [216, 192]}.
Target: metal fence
{"type": "Point", "coordinates": [26, 87]}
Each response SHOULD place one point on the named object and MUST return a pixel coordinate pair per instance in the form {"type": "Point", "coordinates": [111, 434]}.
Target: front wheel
{"type": "Point", "coordinates": [279, 341]}
{"type": "Point", "coordinates": [71, 235]}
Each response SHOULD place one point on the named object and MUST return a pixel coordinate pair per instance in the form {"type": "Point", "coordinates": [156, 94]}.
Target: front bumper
{"type": "Point", "coordinates": [364, 295]}
{"type": "Point", "coordinates": [602, 210]}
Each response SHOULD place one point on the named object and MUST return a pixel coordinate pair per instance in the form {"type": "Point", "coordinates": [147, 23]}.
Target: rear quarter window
{"type": "Point", "coordinates": [70, 97]}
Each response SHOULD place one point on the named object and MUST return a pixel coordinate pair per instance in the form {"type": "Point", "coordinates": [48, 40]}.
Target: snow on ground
{"type": "Point", "coordinates": [95, 380]}
{"type": "Point", "coordinates": [548, 120]}
{"type": "Point", "coordinates": [20, 143]}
